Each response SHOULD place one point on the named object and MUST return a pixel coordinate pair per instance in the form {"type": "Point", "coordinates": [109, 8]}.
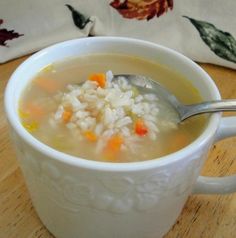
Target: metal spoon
{"type": "Point", "coordinates": [147, 85]}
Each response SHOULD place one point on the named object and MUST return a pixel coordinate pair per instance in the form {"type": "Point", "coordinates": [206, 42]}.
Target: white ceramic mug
{"type": "Point", "coordinates": [87, 199]}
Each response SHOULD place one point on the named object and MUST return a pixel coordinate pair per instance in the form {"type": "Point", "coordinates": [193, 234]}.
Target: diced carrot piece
{"type": "Point", "coordinates": [113, 148]}
{"type": "Point", "coordinates": [180, 140]}
{"type": "Point", "coordinates": [100, 78]}
{"type": "Point", "coordinates": [33, 110]}
{"type": "Point", "coordinates": [140, 127]}
{"type": "Point", "coordinates": [114, 143]}
{"type": "Point", "coordinates": [66, 116]}
{"type": "Point", "coordinates": [47, 84]}
{"type": "Point", "coordinates": [90, 136]}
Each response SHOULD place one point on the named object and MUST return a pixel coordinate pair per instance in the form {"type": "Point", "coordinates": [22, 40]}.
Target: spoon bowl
{"type": "Point", "coordinates": [148, 85]}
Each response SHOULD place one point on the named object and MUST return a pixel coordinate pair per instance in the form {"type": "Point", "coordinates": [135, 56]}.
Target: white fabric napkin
{"type": "Point", "coordinates": [203, 30]}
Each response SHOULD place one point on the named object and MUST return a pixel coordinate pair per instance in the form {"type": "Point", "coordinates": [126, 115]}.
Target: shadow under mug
{"type": "Point", "coordinates": [79, 198]}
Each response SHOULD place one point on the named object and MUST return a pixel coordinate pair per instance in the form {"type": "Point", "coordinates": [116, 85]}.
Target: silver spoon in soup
{"type": "Point", "coordinates": [147, 85]}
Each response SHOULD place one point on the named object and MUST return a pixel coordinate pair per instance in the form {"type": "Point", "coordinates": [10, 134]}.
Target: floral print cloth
{"type": "Point", "coordinates": [202, 30]}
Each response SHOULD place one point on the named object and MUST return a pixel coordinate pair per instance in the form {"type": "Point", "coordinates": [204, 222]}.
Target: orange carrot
{"type": "Point", "coordinates": [100, 78]}
{"type": "Point", "coordinates": [66, 116]}
{"type": "Point", "coordinates": [112, 149]}
{"type": "Point", "coordinates": [180, 140]}
{"type": "Point", "coordinates": [33, 110]}
{"type": "Point", "coordinates": [114, 143]}
{"type": "Point", "coordinates": [90, 136]}
{"type": "Point", "coordinates": [47, 84]}
{"type": "Point", "coordinates": [140, 127]}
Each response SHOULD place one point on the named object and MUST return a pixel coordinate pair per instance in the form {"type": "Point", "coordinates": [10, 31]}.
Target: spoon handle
{"type": "Point", "coordinates": [212, 106]}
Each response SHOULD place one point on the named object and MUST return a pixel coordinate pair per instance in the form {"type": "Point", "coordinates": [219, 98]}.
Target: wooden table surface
{"type": "Point", "coordinates": [205, 216]}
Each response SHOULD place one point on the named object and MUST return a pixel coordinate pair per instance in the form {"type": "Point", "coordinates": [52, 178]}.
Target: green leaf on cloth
{"type": "Point", "coordinates": [221, 43]}
{"type": "Point", "coordinates": [7, 35]}
{"type": "Point", "coordinates": [79, 19]}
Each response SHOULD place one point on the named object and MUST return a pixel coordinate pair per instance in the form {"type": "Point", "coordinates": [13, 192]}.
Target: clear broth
{"type": "Point", "coordinates": [76, 70]}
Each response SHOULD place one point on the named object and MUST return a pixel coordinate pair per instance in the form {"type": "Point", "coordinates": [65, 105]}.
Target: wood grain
{"type": "Point", "coordinates": [204, 216]}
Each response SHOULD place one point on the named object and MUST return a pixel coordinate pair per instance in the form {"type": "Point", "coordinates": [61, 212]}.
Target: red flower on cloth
{"type": "Point", "coordinates": [142, 9]}
{"type": "Point", "coordinates": [7, 35]}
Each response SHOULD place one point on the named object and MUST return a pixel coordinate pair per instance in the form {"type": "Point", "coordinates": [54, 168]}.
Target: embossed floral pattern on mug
{"type": "Point", "coordinates": [110, 193]}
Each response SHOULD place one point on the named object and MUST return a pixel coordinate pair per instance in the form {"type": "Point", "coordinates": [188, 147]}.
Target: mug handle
{"type": "Point", "coordinates": [219, 185]}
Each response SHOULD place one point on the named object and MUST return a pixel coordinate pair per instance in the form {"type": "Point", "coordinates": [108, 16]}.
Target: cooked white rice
{"type": "Point", "coordinates": [112, 110]}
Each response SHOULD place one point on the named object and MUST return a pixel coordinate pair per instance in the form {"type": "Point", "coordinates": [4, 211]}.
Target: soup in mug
{"type": "Point", "coordinates": [77, 107]}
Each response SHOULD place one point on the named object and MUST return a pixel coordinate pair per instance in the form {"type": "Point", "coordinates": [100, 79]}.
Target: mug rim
{"type": "Point", "coordinates": [54, 154]}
